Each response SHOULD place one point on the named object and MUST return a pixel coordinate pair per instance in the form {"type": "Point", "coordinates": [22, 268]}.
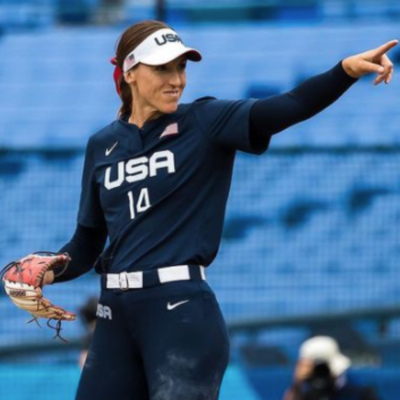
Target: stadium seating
{"type": "Point", "coordinates": [283, 229]}
{"type": "Point", "coordinates": [71, 93]}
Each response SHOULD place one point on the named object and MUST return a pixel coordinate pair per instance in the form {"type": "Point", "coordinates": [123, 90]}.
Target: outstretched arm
{"type": "Point", "coordinates": [274, 114]}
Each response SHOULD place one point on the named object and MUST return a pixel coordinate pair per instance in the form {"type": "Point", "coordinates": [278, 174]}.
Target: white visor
{"type": "Point", "coordinates": [159, 48]}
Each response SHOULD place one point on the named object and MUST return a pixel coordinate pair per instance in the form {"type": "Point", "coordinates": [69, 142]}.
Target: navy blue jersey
{"type": "Point", "coordinates": [162, 190]}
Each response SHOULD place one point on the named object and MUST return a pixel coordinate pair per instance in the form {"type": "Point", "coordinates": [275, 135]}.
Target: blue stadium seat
{"type": "Point", "coordinates": [69, 71]}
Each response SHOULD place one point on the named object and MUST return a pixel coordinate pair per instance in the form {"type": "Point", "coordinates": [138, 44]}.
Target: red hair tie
{"type": "Point", "coordinates": [117, 74]}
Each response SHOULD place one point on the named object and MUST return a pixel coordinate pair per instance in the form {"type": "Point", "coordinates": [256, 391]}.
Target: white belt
{"type": "Point", "coordinates": [135, 280]}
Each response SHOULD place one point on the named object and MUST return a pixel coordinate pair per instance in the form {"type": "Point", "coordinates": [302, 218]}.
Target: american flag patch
{"type": "Point", "coordinates": [129, 62]}
{"type": "Point", "coordinates": [171, 129]}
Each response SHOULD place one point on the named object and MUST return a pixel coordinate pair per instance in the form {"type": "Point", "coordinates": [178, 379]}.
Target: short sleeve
{"type": "Point", "coordinates": [90, 212]}
{"type": "Point", "coordinates": [227, 123]}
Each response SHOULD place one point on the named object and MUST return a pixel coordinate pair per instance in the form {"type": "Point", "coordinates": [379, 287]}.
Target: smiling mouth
{"type": "Point", "coordinates": [173, 93]}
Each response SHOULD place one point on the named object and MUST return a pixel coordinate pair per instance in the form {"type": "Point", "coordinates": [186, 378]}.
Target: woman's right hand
{"type": "Point", "coordinates": [48, 278]}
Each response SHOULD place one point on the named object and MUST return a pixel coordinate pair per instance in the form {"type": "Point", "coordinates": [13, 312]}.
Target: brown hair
{"type": "Point", "coordinates": [128, 41]}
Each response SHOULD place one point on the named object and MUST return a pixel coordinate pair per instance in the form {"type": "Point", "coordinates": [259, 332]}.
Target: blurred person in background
{"type": "Point", "coordinates": [321, 374]}
{"type": "Point", "coordinates": [156, 182]}
{"type": "Point", "coordinates": [87, 314]}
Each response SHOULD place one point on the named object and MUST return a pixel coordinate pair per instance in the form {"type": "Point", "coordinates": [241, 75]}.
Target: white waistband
{"type": "Point", "coordinates": [134, 280]}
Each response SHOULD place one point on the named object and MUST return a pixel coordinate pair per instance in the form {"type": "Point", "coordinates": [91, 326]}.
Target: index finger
{"type": "Point", "coordinates": [381, 50]}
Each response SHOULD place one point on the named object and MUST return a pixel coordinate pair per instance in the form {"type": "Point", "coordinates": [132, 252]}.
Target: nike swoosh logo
{"type": "Point", "coordinates": [108, 151]}
{"type": "Point", "coordinates": [172, 306]}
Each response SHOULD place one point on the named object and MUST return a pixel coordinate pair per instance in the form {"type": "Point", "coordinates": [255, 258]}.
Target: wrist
{"type": "Point", "coordinates": [346, 64]}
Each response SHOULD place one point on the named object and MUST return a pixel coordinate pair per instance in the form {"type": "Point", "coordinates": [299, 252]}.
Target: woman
{"type": "Point", "coordinates": [156, 182]}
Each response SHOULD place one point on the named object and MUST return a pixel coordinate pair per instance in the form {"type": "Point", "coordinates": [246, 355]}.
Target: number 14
{"type": "Point", "coordinates": [142, 204]}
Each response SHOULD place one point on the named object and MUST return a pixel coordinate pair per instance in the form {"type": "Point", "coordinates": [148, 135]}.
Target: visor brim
{"type": "Point", "coordinates": [164, 57]}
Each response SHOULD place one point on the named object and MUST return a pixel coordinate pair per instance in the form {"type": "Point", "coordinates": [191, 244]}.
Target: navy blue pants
{"type": "Point", "coordinates": [167, 342]}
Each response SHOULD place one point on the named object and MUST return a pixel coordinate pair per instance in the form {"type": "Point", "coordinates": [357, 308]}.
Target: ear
{"type": "Point", "coordinates": [130, 76]}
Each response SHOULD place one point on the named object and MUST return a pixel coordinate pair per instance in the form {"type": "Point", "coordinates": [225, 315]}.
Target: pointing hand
{"type": "Point", "coordinates": [372, 61]}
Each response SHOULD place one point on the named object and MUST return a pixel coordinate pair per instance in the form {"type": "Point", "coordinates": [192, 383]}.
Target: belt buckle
{"type": "Point", "coordinates": [123, 281]}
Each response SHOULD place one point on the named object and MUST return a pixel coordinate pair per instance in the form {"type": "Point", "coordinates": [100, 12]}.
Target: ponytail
{"type": "Point", "coordinates": [122, 88]}
{"type": "Point", "coordinates": [126, 97]}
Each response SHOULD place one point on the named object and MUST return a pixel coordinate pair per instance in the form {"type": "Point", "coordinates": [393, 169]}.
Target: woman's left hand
{"type": "Point", "coordinates": [372, 61]}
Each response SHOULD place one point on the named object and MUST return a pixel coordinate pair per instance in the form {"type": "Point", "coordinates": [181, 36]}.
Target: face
{"type": "Point", "coordinates": [157, 89]}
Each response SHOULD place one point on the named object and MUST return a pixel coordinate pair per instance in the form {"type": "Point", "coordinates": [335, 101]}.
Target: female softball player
{"type": "Point", "coordinates": [156, 182]}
